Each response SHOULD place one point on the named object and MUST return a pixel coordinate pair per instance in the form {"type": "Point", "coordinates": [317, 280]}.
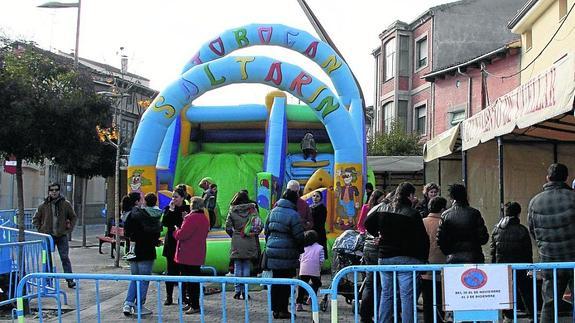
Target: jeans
{"type": "Point", "coordinates": [241, 269]}
{"type": "Point", "coordinates": [564, 279]}
{"type": "Point", "coordinates": [138, 268]}
{"type": "Point", "coordinates": [385, 313]}
{"type": "Point", "coordinates": [63, 248]}
{"type": "Point", "coordinates": [366, 306]}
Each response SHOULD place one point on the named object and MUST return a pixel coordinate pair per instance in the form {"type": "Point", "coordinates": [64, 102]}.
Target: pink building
{"type": "Point", "coordinates": [441, 37]}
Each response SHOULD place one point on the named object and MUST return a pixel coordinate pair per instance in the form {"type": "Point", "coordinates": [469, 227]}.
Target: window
{"type": "Point", "coordinates": [402, 114]}
{"type": "Point", "coordinates": [420, 122]}
{"type": "Point", "coordinates": [421, 53]}
{"type": "Point", "coordinates": [456, 117]}
{"type": "Point", "coordinates": [127, 131]}
{"type": "Point", "coordinates": [528, 40]}
{"type": "Point", "coordinates": [387, 116]}
{"type": "Point", "coordinates": [403, 55]}
{"type": "Point", "coordinates": [389, 59]}
{"type": "Point", "coordinates": [562, 9]}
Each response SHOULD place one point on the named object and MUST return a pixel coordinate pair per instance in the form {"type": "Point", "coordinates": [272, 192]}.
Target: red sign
{"type": "Point", "coordinates": [10, 165]}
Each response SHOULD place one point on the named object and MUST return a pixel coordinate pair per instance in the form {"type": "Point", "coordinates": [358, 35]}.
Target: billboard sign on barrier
{"type": "Point", "coordinates": [477, 288]}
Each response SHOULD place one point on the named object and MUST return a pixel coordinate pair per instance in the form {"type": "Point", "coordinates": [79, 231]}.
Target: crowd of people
{"type": "Point", "coordinates": [400, 230]}
{"type": "Point", "coordinates": [406, 231]}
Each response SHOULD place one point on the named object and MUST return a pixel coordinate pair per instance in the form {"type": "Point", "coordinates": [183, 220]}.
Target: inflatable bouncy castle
{"type": "Point", "coordinates": [256, 146]}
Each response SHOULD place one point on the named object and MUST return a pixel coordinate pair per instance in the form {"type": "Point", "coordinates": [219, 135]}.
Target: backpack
{"type": "Point", "coordinates": [254, 224]}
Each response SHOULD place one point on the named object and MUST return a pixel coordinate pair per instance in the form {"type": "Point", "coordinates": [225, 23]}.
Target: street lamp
{"type": "Point", "coordinates": [63, 5]}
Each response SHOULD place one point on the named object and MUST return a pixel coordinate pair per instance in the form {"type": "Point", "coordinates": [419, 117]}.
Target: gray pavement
{"type": "Point", "coordinates": [111, 294]}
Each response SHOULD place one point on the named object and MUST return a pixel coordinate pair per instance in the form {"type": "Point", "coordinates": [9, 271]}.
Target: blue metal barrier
{"type": "Point", "coordinates": [10, 218]}
{"type": "Point", "coordinates": [351, 274]}
{"type": "Point", "coordinates": [23, 258]}
{"type": "Point", "coordinates": [97, 278]}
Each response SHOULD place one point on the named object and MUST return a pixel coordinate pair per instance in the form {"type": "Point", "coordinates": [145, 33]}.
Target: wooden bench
{"type": "Point", "coordinates": [111, 239]}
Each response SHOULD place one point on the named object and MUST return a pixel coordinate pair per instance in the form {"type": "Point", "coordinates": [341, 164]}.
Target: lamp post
{"type": "Point", "coordinates": [63, 5]}
{"type": "Point", "coordinates": [114, 134]}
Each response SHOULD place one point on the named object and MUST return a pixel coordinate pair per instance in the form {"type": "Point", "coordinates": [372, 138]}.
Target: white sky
{"type": "Point", "coordinates": [159, 37]}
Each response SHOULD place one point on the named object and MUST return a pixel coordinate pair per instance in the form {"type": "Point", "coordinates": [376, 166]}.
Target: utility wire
{"type": "Point", "coordinates": [542, 50]}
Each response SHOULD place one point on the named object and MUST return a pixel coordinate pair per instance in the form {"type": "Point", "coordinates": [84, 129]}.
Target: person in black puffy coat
{"type": "Point", "coordinates": [510, 243]}
{"type": "Point", "coordinates": [462, 230]}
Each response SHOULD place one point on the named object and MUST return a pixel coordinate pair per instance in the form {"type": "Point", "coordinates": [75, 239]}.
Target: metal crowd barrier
{"type": "Point", "coordinates": [352, 274]}
{"type": "Point", "coordinates": [96, 279]}
{"type": "Point", "coordinates": [19, 259]}
{"type": "Point", "coordinates": [10, 218]}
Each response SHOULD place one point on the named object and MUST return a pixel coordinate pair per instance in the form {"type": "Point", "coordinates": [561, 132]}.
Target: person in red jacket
{"type": "Point", "coordinates": [191, 250]}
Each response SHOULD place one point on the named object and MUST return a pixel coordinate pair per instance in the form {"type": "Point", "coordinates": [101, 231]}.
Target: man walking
{"type": "Point", "coordinates": [56, 217]}
{"type": "Point", "coordinates": [551, 217]}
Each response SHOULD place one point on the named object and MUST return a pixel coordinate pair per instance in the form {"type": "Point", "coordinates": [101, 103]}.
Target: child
{"type": "Point", "coordinates": [308, 147]}
{"type": "Point", "coordinates": [310, 266]}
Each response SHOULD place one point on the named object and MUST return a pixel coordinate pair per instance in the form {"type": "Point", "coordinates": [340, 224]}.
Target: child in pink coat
{"type": "Point", "coordinates": [310, 262]}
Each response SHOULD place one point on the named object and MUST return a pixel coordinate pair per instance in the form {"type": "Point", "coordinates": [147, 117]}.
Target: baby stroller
{"type": "Point", "coordinates": [347, 251]}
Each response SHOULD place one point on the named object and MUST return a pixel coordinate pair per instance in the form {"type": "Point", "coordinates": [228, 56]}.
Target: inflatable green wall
{"type": "Point", "coordinates": [232, 172]}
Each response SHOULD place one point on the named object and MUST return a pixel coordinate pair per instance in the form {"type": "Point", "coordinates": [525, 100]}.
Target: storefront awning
{"type": "Point", "coordinates": [441, 145]}
{"type": "Point", "coordinates": [542, 108]}
{"type": "Point", "coordinates": [400, 164]}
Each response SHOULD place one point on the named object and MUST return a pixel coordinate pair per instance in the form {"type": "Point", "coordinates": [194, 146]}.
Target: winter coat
{"type": "Point", "coordinates": [431, 223]}
{"type": "Point", "coordinates": [145, 241]}
{"type": "Point", "coordinates": [43, 218]}
{"type": "Point", "coordinates": [284, 236]}
{"type": "Point", "coordinates": [169, 220]}
{"type": "Point", "coordinates": [401, 231]}
{"type": "Point", "coordinates": [423, 207]}
{"type": "Point", "coordinates": [319, 216]}
{"type": "Point", "coordinates": [243, 246]}
{"type": "Point", "coordinates": [191, 237]}
{"type": "Point", "coordinates": [510, 242]}
{"type": "Point", "coordinates": [305, 214]}
{"type": "Point", "coordinates": [461, 234]}
{"type": "Point", "coordinates": [551, 215]}
{"type": "Point", "coordinates": [308, 142]}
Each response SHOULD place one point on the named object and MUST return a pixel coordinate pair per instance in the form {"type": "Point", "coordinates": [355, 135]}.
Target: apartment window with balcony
{"type": "Point", "coordinates": [421, 118]}
{"type": "Point", "coordinates": [421, 53]}
{"type": "Point", "coordinates": [387, 116]}
{"type": "Point", "coordinates": [528, 40]}
{"type": "Point", "coordinates": [403, 55]}
{"type": "Point", "coordinates": [562, 9]}
{"type": "Point", "coordinates": [389, 59]}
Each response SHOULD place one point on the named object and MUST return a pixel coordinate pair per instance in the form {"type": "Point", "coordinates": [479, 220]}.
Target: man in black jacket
{"type": "Point", "coordinates": [462, 230]}
{"type": "Point", "coordinates": [510, 243]}
{"type": "Point", "coordinates": [551, 216]}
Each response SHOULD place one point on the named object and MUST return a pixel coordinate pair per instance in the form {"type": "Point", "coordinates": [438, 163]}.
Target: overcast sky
{"type": "Point", "coordinates": [159, 37]}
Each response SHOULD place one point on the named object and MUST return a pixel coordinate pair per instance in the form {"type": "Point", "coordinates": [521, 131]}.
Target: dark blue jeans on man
{"type": "Point", "coordinates": [63, 249]}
